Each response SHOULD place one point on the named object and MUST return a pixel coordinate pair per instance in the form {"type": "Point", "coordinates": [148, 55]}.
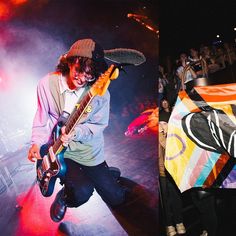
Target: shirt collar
{"type": "Point", "coordinates": [64, 88]}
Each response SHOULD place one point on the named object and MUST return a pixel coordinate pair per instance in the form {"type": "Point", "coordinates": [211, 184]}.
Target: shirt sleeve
{"type": "Point", "coordinates": [97, 120]}
{"type": "Point", "coordinates": [40, 130]}
{"type": "Point", "coordinates": [179, 70]}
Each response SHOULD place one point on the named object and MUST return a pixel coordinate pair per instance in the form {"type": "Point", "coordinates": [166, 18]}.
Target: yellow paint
{"type": "Point", "coordinates": [89, 109]}
{"type": "Point", "coordinates": [225, 108]}
{"type": "Point", "coordinates": [178, 165]}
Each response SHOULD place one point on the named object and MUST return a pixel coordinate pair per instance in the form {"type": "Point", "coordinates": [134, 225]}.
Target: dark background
{"type": "Point", "coordinates": [185, 24]}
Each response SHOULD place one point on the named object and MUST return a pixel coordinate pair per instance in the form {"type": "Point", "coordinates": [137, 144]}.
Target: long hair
{"type": "Point", "coordinates": [97, 66]}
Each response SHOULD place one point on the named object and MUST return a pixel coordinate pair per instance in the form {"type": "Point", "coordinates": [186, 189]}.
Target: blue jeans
{"type": "Point", "coordinates": [80, 182]}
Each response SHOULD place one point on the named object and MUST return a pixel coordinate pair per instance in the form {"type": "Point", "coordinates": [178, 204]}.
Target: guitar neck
{"type": "Point", "coordinates": [73, 119]}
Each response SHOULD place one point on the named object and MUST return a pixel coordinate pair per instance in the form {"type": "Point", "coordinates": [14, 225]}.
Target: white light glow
{"type": "Point", "coordinates": [37, 54]}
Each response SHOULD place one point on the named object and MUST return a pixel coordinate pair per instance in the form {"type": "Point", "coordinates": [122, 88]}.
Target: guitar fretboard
{"type": "Point", "coordinates": [74, 118]}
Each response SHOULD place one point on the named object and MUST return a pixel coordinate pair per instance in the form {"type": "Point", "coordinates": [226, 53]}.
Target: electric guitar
{"type": "Point", "coordinates": [52, 165]}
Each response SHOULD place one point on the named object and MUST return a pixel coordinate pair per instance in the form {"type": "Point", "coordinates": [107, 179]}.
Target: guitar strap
{"type": "Point", "coordinates": [59, 99]}
{"type": "Point", "coordinates": [65, 114]}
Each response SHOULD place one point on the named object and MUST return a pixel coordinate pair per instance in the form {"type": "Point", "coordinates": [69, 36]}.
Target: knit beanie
{"type": "Point", "coordinates": [86, 48]}
{"type": "Point", "coordinates": [91, 49]}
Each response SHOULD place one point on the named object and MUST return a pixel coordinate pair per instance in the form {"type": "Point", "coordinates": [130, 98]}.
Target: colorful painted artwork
{"type": "Point", "coordinates": [201, 140]}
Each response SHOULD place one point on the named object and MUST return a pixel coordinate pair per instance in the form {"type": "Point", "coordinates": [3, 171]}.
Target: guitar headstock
{"type": "Point", "coordinates": [102, 83]}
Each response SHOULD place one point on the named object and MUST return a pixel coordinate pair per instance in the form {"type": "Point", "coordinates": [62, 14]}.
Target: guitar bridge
{"type": "Point", "coordinates": [39, 174]}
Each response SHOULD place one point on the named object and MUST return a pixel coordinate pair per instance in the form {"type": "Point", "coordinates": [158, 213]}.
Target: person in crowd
{"type": "Point", "coordinates": [221, 57]}
{"type": "Point", "coordinates": [162, 83]}
{"type": "Point", "coordinates": [197, 63]}
{"type": "Point", "coordinates": [184, 70]}
{"type": "Point", "coordinates": [170, 194]}
{"type": "Point", "coordinates": [230, 56]}
{"type": "Point", "coordinates": [207, 55]}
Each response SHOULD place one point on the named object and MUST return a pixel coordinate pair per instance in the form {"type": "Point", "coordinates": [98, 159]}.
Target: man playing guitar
{"type": "Point", "coordinates": [83, 165]}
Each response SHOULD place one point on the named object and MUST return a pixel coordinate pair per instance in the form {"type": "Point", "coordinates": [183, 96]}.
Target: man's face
{"type": "Point", "coordinates": [165, 104]}
{"type": "Point", "coordinates": [193, 52]}
{"type": "Point", "coordinates": [77, 78]}
{"type": "Point", "coordinates": [183, 56]}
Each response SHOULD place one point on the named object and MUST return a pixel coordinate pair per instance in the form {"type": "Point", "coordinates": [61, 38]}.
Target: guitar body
{"type": "Point", "coordinates": [49, 168]}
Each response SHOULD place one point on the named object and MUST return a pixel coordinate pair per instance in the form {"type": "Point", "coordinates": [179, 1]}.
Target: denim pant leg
{"type": "Point", "coordinates": [78, 186]}
{"type": "Point", "coordinates": [105, 184]}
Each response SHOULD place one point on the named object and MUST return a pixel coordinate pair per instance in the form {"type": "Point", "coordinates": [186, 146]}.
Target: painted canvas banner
{"type": "Point", "coordinates": [201, 140]}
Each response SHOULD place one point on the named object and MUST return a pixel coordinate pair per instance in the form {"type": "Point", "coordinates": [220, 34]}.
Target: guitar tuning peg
{"type": "Point", "coordinates": [121, 68]}
{"type": "Point", "coordinates": [122, 65]}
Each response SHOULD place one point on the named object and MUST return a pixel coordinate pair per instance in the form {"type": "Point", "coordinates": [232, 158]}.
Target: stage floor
{"type": "Point", "coordinates": [24, 211]}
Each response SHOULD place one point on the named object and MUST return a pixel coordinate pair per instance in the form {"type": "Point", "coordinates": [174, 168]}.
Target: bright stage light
{"type": "Point", "coordinates": [18, 2]}
{"type": "Point", "coordinates": [4, 11]}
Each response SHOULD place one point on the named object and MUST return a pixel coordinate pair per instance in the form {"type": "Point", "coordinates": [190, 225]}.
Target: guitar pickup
{"type": "Point", "coordinates": [39, 174]}
{"type": "Point", "coordinates": [52, 155]}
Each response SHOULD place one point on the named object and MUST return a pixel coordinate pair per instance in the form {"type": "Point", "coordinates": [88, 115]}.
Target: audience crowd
{"type": "Point", "coordinates": [192, 64]}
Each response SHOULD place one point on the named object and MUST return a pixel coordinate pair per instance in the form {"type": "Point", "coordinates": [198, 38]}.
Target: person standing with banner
{"type": "Point", "coordinates": [170, 195]}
